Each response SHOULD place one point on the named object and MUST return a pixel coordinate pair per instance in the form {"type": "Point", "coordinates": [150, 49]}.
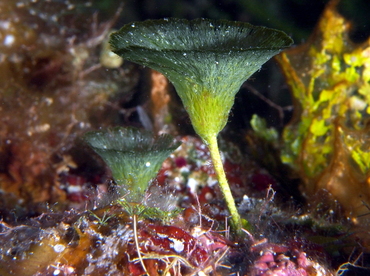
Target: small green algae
{"type": "Point", "coordinates": [134, 157]}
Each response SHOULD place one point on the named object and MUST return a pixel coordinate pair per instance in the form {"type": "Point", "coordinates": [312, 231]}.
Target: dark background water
{"type": "Point", "coordinates": [297, 18]}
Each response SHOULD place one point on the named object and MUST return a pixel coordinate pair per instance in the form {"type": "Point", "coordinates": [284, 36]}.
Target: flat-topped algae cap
{"type": "Point", "coordinates": [134, 156]}
{"type": "Point", "coordinates": [206, 60]}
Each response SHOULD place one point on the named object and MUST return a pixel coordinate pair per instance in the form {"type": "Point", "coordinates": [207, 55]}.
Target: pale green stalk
{"type": "Point", "coordinates": [236, 222]}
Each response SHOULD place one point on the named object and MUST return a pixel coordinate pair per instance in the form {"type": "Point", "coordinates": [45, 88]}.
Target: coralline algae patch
{"type": "Point", "coordinates": [108, 242]}
{"type": "Point", "coordinates": [189, 170]}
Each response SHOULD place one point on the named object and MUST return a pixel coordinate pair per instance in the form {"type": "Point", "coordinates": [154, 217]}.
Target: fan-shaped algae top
{"type": "Point", "coordinates": [206, 60]}
{"type": "Point", "coordinates": [134, 156]}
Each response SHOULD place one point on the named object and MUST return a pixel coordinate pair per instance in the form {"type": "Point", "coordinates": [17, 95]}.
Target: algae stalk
{"type": "Point", "coordinates": [225, 189]}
